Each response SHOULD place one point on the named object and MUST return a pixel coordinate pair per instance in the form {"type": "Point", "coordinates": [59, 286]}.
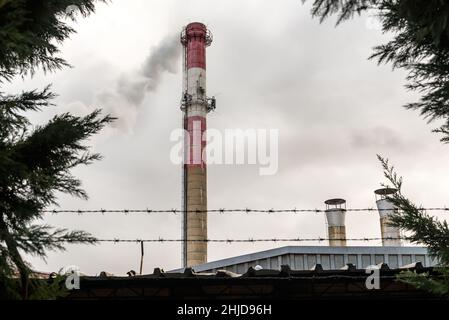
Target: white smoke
{"type": "Point", "coordinates": [124, 101]}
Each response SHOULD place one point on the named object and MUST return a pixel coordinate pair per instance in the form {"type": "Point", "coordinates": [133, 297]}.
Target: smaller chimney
{"type": "Point", "coordinates": [390, 234]}
{"type": "Point", "coordinates": [335, 216]}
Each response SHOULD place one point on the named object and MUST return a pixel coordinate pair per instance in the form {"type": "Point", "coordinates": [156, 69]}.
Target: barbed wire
{"type": "Point", "coordinates": [223, 210]}
{"type": "Point", "coordinates": [250, 240]}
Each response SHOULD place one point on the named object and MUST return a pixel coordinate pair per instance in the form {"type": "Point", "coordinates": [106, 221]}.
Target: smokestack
{"type": "Point", "coordinates": [335, 216]}
{"type": "Point", "coordinates": [390, 234]}
{"type": "Point", "coordinates": [195, 105]}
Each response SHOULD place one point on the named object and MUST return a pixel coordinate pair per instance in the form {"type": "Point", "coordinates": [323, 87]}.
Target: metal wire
{"type": "Point", "coordinates": [250, 240]}
{"type": "Point", "coordinates": [222, 210]}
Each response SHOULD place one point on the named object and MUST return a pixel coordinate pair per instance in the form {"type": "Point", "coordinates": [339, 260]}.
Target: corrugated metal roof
{"type": "Point", "coordinates": [307, 250]}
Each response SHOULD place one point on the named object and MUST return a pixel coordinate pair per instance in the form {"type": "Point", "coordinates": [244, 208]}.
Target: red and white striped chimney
{"type": "Point", "coordinates": [195, 106]}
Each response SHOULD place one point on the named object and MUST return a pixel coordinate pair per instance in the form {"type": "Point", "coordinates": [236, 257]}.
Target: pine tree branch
{"type": "Point", "coordinates": [345, 9]}
{"type": "Point", "coordinates": [35, 164]}
{"type": "Point", "coordinates": [424, 229]}
{"type": "Point", "coordinates": [39, 239]}
{"type": "Point", "coordinates": [420, 45]}
{"type": "Point", "coordinates": [437, 285]}
{"type": "Point", "coordinates": [14, 255]}
{"type": "Point", "coordinates": [30, 31]}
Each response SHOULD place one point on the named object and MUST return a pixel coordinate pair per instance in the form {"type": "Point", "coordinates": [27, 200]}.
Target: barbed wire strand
{"type": "Point", "coordinates": [250, 240]}
{"type": "Point", "coordinates": [222, 210]}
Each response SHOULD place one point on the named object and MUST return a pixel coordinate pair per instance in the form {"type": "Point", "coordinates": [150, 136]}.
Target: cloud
{"type": "Point", "coordinates": [379, 136]}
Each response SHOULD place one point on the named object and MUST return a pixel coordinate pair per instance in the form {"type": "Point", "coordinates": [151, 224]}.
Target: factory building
{"type": "Point", "coordinates": [329, 258]}
{"type": "Point", "coordinates": [337, 254]}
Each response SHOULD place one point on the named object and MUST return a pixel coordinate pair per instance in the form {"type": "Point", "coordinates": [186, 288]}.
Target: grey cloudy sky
{"type": "Point", "coordinates": [272, 67]}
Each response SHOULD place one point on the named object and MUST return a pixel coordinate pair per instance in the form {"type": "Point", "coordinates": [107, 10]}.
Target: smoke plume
{"type": "Point", "coordinates": [124, 100]}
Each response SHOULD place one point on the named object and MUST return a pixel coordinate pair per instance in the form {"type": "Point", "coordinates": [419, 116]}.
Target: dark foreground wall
{"type": "Point", "coordinates": [269, 284]}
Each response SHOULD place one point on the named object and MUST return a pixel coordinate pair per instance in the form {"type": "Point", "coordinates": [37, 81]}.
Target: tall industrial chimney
{"type": "Point", "coordinates": [390, 234]}
{"type": "Point", "coordinates": [195, 105]}
{"type": "Point", "coordinates": [335, 216]}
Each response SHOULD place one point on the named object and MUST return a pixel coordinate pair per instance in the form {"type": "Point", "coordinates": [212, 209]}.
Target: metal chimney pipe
{"type": "Point", "coordinates": [335, 216]}
{"type": "Point", "coordinates": [390, 234]}
{"type": "Point", "coordinates": [195, 105]}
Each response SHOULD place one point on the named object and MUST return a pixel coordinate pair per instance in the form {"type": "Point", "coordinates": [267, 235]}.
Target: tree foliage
{"type": "Point", "coordinates": [36, 162]}
{"type": "Point", "coordinates": [424, 230]}
{"type": "Point", "coordinates": [420, 45]}
{"type": "Point", "coordinates": [30, 31]}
